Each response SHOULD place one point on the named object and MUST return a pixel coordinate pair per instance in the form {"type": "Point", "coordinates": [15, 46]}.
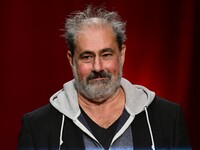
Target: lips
{"type": "Point", "coordinates": [99, 76]}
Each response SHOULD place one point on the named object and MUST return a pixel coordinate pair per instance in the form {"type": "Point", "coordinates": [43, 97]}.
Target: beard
{"type": "Point", "coordinates": [97, 86]}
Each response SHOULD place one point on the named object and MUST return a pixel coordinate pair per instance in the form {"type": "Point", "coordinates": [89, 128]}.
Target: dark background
{"type": "Point", "coordinates": [162, 54]}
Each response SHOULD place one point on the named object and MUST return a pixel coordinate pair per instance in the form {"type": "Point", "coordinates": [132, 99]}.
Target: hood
{"type": "Point", "coordinates": [66, 100]}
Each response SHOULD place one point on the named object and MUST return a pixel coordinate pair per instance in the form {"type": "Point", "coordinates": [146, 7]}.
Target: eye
{"type": "Point", "coordinates": [86, 58]}
{"type": "Point", "coordinates": [107, 55]}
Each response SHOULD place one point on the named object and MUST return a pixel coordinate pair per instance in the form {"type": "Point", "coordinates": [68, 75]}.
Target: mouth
{"type": "Point", "coordinates": [99, 76]}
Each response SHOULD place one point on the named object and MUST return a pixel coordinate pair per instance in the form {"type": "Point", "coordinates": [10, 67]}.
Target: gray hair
{"type": "Point", "coordinates": [77, 19]}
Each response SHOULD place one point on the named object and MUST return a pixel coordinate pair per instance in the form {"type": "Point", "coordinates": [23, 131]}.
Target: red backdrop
{"type": "Point", "coordinates": [162, 54]}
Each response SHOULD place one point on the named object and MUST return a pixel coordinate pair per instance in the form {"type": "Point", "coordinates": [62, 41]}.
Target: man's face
{"type": "Point", "coordinates": [97, 63]}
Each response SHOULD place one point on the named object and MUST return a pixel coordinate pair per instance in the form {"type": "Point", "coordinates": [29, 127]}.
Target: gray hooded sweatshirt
{"type": "Point", "coordinates": [138, 98]}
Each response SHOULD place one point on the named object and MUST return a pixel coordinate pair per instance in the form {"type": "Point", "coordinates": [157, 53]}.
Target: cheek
{"type": "Point", "coordinates": [113, 67]}
{"type": "Point", "coordinates": [83, 70]}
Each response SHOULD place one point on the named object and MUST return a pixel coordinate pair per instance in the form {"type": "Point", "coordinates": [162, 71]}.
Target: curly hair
{"type": "Point", "coordinates": [77, 19]}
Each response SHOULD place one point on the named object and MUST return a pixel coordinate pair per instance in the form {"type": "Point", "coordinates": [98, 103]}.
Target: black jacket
{"type": "Point", "coordinates": [40, 130]}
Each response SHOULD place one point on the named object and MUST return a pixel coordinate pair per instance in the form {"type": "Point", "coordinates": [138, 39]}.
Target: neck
{"type": "Point", "coordinates": [106, 112]}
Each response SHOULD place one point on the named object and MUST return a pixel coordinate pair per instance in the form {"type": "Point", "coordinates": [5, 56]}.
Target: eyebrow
{"type": "Point", "coordinates": [85, 53]}
{"type": "Point", "coordinates": [92, 53]}
{"type": "Point", "coordinates": [106, 50]}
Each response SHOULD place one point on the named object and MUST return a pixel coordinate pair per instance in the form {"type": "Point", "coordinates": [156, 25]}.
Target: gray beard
{"type": "Point", "coordinates": [97, 90]}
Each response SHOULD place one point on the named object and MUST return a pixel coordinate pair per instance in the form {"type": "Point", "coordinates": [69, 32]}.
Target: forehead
{"type": "Point", "coordinates": [95, 37]}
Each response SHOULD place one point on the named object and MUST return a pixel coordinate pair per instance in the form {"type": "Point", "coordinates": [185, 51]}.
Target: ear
{"type": "Point", "coordinates": [123, 51]}
{"type": "Point", "coordinates": [70, 58]}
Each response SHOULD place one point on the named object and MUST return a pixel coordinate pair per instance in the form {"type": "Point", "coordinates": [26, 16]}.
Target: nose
{"type": "Point", "coordinates": [97, 64]}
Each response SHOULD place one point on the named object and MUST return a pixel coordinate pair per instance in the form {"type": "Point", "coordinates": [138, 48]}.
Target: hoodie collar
{"type": "Point", "coordinates": [137, 97]}
{"type": "Point", "coordinates": [66, 100]}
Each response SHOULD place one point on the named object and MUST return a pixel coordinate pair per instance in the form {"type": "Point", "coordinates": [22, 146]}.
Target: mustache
{"type": "Point", "coordinates": [101, 74]}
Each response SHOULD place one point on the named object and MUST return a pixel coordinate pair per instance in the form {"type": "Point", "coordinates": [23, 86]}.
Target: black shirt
{"type": "Point", "coordinates": [104, 136]}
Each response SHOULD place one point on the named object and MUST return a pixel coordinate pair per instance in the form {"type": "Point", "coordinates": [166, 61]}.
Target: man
{"type": "Point", "coordinates": [99, 109]}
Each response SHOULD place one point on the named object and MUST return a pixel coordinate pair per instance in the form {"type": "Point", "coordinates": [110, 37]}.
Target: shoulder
{"type": "Point", "coordinates": [162, 104]}
{"type": "Point", "coordinates": [40, 127]}
{"type": "Point", "coordinates": [44, 114]}
{"type": "Point", "coordinates": [164, 110]}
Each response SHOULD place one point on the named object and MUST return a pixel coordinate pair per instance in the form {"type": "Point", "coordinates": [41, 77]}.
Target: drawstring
{"type": "Point", "coordinates": [61, 131]}
{"type": "Point", "coordinates": [149, 125]}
